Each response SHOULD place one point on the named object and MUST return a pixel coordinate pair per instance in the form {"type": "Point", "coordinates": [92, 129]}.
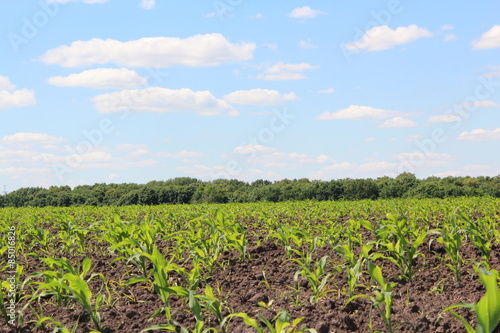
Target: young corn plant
{"type": "Point", "coordinates": [68, 284]}
{"type": "Point", "coordinates": [81, 293]}
{"type": "Point", "coordinates": [317, 278]}
{"type": "Point", "coordinates": [451, 238]}
{"type": "Point", "coordinates": [282, 323]}
{"type": "Point", "coordinates": [236, 239]}
{"type": "Point", "coordinates": [487, 309]}
{"type": "Point", "coordinates": [403, 248]}
{"type": "Point", "coordinates": [354, 273]}
{"type": "Point", "coordinates": [382, 295]}
{"type": "Point", "coordinates": [162, 285]}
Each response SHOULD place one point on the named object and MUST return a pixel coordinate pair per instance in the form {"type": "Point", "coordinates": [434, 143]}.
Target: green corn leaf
{"type": "Point", "coordinates": [488, 308]}
{"type": "Point", "coordinates": [247, 320]}
{"type": "Point", "coordinates": [376, 274]}
{"type": "Point", "coordinates": [165, 327]}
{"type": "Point", "coordinates": [86, 263]}
{"type": "Point", "coordinates": [80, 289]}
{"type": "Point", "coordinates": [195, 307]}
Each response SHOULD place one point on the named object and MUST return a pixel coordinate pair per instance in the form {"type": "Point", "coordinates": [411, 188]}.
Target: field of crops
{"type": "Point", "coordinates": [364, 266]}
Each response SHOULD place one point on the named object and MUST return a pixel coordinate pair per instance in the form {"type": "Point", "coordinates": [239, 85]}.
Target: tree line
{"type": "Point", "coordinates": [186, 190]}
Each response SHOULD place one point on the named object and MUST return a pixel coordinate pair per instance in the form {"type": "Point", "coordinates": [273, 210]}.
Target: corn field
{"type": "Point", "coordinates": [427, 265]}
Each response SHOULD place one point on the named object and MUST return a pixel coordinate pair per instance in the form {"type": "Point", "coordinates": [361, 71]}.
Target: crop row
{"type": "Point", "coordinates": [361, 255]}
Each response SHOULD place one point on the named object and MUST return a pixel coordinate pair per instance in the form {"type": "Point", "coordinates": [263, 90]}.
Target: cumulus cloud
{"type": "Point", "coordinates": [480, 135]}
{"type": "Point", "coordinates": [445, 118]}
{"type": "Point", "coordinates": [162, 100]}
{"type": "Point", "coordinates": [447, 27]}
{"type": "Point", "coordinates": [259, 97]}
{"type": "Point", "coordinates": [450, 37]}
{"type": "Point", "coordinates": [326, 91]}
{"type": "Point", "coordinates": [357, 112]}
{"type": "Point", "coordinates": [348, 169]}
{"type": "Point", "coordinates": [10, 98]}
{"type": "Point", "coordinates": [101, 78]}
{"type": "Point", "coordinates": [284, 71]}
{"type": "Point", "coordinates": [21, 138]}
{"type": "Point", "coordinates": [5, 83]}
{"type": "Point", "coordinates": [273, 158]}
{"type": "Point", "coordinates": [435, 158]}
{"type": "Point", "coordinates": [246, 149]}
{"type": "Point", "coordinates": [398, 122]}
{"type": "Point", "coordinates": [257, 16]}
{"type": "Point", "coordinates": [383, 38]}
{"type": "Point", "coordinates": [306, 44]}
{"type": "Point", "coordinates": [196, 51]}
{"type": "Point", "coordinates": [181, 154]}
{"type": "Point", "coordinates": [489, 40]}
{"type": "Point", "coordinates": [305, 12]}
{"type": "Point", "coordinates": [131, 146]}
{"type": "Point", "coordinates": [480, 104]}
{"type": "Point", "coordinates": [148, 4]}
{"type": "Point", "coordinates": [17, 98]}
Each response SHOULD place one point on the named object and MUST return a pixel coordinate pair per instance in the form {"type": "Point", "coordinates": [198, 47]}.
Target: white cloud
{"type": "Point", "coordinates": [247, 149]}
{"type": "Point", "coordinates": [138, 152]}
{"type": "Point", "coordinates": [445, 118]}
{"type": "Point", "coordinates": [284, 71]}
{"type": "Point", "coordinates": [420, 156]}
{"type": "Point", "coordinates": [22, 138]}
{"type": "Point", "coordinates": [130, 146]}
{"type": "Point", "coordinates": [398, 122]}
{"type": "Point", "coordinates": [17, 98]}
{"type": "Point", "coordinates": [447, 27]}
{"type": "Point", "coordinates": [383, 38]}
{"type": "Point", "coordinates": [5, 83]}
{"type": "Point", "coordinates": [357, 112]}
{"type": "Point", "coordinates": [492, 74]}
{"type": "Point", "coordinates": [196, 51]}
{"type": "Point", "coordinates": [377, 166]}
{"type": "Point", "coordinates": [101, 78]}
{"type": "Point", "coordinates": [182, 154]}
{"type": "Point", "coordinates": [113, 177]}
{"type": "Point", "coordinates": [162, 100]}
{"type": "Point", "coordinates": [489, 40]}
{"type": "Point", "coordinates": [19, 172]}
{"type": "Point", "coordinates": [262, 113]}
{"type": "Point", "coordinates": [326, 91]}
{"type": "Point", "coordinates": [259, 97]}
{"type": "Point", "coordinates": [346, 169]}
{"type": "Point", "coordinates": [481, 104]}
{"type": "Point", "coordinates": [306, 44]}
{"type": "Point", "coordinates": [370, 139]}
{"type": "Point", "coordinates": [148, 4]}
{"type": "Point", "coordinates": [10, 98]}
{"type": "Point", "coordinates": [270, 157]}
{"type": "Point", "coordinates": [414, 137]}
{"type": "Point", "coordinates": [304, 13]}
{"type": "Point", "coordinates": [480, 135]}
{"type": "Point", "coordinates": [257, 16]}
{"type": "Point", "coordinates": [450, 37]}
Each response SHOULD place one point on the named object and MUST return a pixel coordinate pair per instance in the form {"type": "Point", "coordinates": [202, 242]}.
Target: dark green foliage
{"type": "Point", "coordinates": [187, 190]}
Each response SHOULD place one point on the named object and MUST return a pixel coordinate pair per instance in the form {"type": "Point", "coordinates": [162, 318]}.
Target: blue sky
{"type": "Point", "coordinates": [115, 91]}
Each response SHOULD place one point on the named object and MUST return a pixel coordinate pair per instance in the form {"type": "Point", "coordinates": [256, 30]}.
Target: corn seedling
{"type": "Point", "coordinates": [487, 309]}
{"type": "Point", "coordinates": [317, 278]}
{"type": "Point", "coordinates": [282, 323]}
{"type": "Point", "coordinates": [382, 299]}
